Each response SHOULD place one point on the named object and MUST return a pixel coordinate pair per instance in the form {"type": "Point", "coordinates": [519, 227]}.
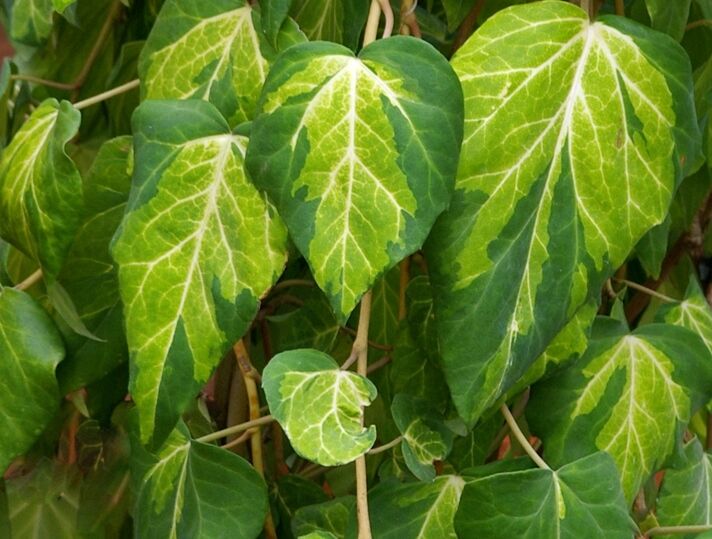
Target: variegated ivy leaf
{"type": "Point", "coordinates": [191, 489]}
{"type": "Point", "coordinates": [328, 517]}
{"type": "Point", "coordinates": [416, 509]}
{"type": "Point", "coordinates": [580, 499]}
{"type": "Point", "coordinates": [686, 495]}
{"type": "Point", "coordinates": [628, 395]}
{"type": "Point", "coordinates": [40, 187]}
{"type": "Point", "coordinates": [425, 436]}
{"type": "Point", "coordinates": [30, 349]}
{"type": "Point", "coordinates": [233, 61]}
{"type": "Point", "coordinates": [196, 249]}
{"type": "Point", "coordinates": [568, 159]}
{"type": "Point", "coordinates": [319, 406]}
{"type": "Point", "coordinates": [340, 21]}
{"type": "Point", "coordinates": [31, 21]}
{"type": "Point", "coordinates": [345, 147]}
{"type": "Point", "coordinates": [693, 313]}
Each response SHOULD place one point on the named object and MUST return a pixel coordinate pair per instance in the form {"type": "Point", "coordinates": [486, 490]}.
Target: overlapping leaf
{"type": "Point", "coordinates": [416, 509]}
{"type": "Point", "coordinates": [31, 21]}
{"type": "Point", "coordinates": [583, 497]}
{"type": "Point", "coordinates": [40, 187]}
{"type": "Point", "coordinates": [328, 517]}
{"type": "Point", "coordinates": [191, 489]}
{"type": "Point", "coordinates": [669, 17]}
{"type": "Point", "coordinates": [215, 51]}
{"type": "Point", "coordinates": [346, 149]}
{"type": "Point", "coordinates": [30, 349]}
{"type": "Point", "coordinates": [319, 406]}
{"type": "Point", "coordinates": [686, 494]}
{"type": "Point", "coordinates": [627, 395]}
{"type": "Point", "coordinates": [340, 21]}
{"type": "Point", "coordinates": [693, 313]}
{"type": "Point", "coordinates": [568, 159]}
{"type": "Point", "coordinates": [196, 249]}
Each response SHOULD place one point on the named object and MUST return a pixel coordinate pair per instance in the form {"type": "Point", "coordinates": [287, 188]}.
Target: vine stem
{"type": "Point", "coordinates": [79, 105]}
{"type": "Point", "coordinates": [620, 8]}
{"type": "Point", "coordinates": [360, 347]}
{"type": "Point", "coordinates": [698, 23]}
{"type": "Point", "coordinates": [385, 447]}
{"type": "Point", "coordinates": [374, 16]}
{"type": "Point", "coordinates": [30, 280]}
{"type": "Point", "coordinates": [677, 530]}
{"type": "Point", "coordinates": [519, 435]}
{"type": "Point", "coordinates": [235, 429]}
{"type": "Point", "coordinates": [647, 290]}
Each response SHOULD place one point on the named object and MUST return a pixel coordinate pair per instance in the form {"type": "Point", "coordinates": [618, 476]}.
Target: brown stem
{"type": "Point", "coordinates": [371, 344]}
{"type": "Point", "coordinates": [698, 24]}
{"type": "Point", "coordinates": [620, 8]}
{"type": "Point", "coordinates": [468, 25]}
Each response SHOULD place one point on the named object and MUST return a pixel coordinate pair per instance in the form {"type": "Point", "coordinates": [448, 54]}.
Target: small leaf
{"type": "Point", "coordinates": [693, 313]}
{"type": "Point", "coordinates": [669, 17]}
{"type": "Point", "coordinates": [196, 249]}
{"type": "Point", "coordinates": [566, 122]}
{"type": "Point", "coordinates": [340, 21]}
{"type": "Point", "coordinates": [329, 517]}
{"type": "Point", "coordinates": [31, 21]}
{"type": "Point", "coordinates": [685, 498]}
{"type": "Point", "coordinates": [40, 187]}
{"type": "Point", "coordinates": [232, 65]}
{"type": "Point", "coordinates": [628, 395]}
{"type": "Point", "coordinates": [416, 509]}
{"type": "Point", "coordinates": [30, 349]}
{"type": "Point", "coordinates": [274, 12]}
{"type": "Point", "coordinates": [359, 192]}
{"type": "Point", "coordinates": [191, 489]}
{"type": "Point", "coordinates": [425, 436]}
{"type": "Point", "coordinates": [583, 497]}
{"type": "Point", "coordinates": [319, 406]}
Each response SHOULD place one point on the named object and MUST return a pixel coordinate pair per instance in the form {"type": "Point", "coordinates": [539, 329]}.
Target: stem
{"type": "Point", "coordinates": [385, 447]}
{"type": "Point", "coordinates": [699, 23]}
{"type": "Point", "coordinates": [235, 429]}
{"type": "Point", "coordinates": [377, 346]}
{"type": "Point", "coordinates": [678, 530]}
{"type": "Point", "coordinates": [388, 14]}
{"type": "Point", "coordinates": [620, 8]}
{"type": "Point", "coordinates": [647, 290]}
{"type": "Point", "coordinates": [239, 440]}
{"type": "Point", "coordinates": [96, 49]}
{"type": "Point", "coordinates": [517, 411]}
{"type": "Point", "coordinates": [45, 82]}
{"type": "Point", "coordinates": [385, 360]}
{"type": "Point", "coordinates": [374, 16]}
{"type": "Point", "coordinates": [253, 398]}
{"type": "Point", "coordinates": [79, 105]}
{"type": "Point", "coordinates": [403, 285]}
{"type": "Point", "coordinates": [29, 281]}
{"type": "Point", "coordinates": [287, 283]}
{"type": "Point", "coordinates": [360, 348]}
{"type": "Point", "coordinates": [468, 25]}
{"type": "Point", "coordinates": [519, 435]}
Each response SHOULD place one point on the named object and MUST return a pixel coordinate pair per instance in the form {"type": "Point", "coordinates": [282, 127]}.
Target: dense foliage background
{"type": "Point", "coordinates": [271, 269]}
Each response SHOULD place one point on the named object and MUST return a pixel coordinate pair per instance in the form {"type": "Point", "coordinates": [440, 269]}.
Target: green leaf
{"type": "Point", "coordinates": [89, 276]}
{"type": "Point", "coordinates": [45, 499]}
{"type": "Point", "coordinates": [319, 406]}
{"type": "Point", "coordinates": [425, 436]}
{"type": "Point", "coordinates": [686, 495]}
{"type": "Point", "coordinates": [693, 313]}
{"type": "Point", "coordinates": [40, 187]}
{"type": "Point", "coordinates": [669, 17]}
{"type": "Point", "coordinates": [456, 11]}
{"type": "Point", "coordinates": [384, 310]}
{"type": "Point", "coordinates": [415, 509]}
{"type": "Point", "coordinates": [196, 249]}
{"type": "Point", "coordinates": [567, 162]}
{"type": "Point", "coordinates": [329, 517]}
{"type": "Point", "coordinates": [191, 489]}
{"type": "Point", "coordinates": [346, 149]}
{"type": "Point", "coordinates": [232, 65]}
{"type": "Point", "coordinates": [340, 21]}
{"type": "Point", "coordinates": [628, 395]}
{"type": "Point", "coordinates": [60, 5]}
{"type": "Point", "coordinates": [274, 13]}
{"type": "Point", "coordinates": [31, 21]}
{"type": "Point", "coordinates": [581, 497]}
{"type": "Point", "coordinates": [30, 350]}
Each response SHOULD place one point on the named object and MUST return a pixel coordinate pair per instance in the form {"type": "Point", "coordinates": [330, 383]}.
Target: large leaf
{"type": "Point", "coordinates": [191, 489]}
{"type": "Point", "coordinates": [196, 249]}
{"type": "Point", "coordinates": [583, 497]}
{"type": "Point", "coordinates": [30, 349]}
{"type": "Point", "coordinates": [567, 161]}
{"type": "Point", "coordinates": [346, 149]}
{"type": "Point", "coordinates": [686, 494]}
{"type": "Point", "coordinates": [628, 395]}
{"type": "Point", "coordinates": [319, 405]}
{"type": "Point", "coordinates": [340, 21]}
{"type": "Point", "coordinates": [415, 509]}
{"type": "Point", "coordinates": [89, 275]}
{"type": "Point", "coordinates": [233, 61]}
{"type": "Point", "coordinates": [40, 187]}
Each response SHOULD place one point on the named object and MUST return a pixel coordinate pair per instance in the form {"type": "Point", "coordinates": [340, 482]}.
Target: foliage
{"type": "Point", "coordinates": [267, 269]}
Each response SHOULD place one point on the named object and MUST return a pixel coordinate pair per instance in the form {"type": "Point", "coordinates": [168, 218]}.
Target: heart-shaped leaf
{"type": "Point", "coordinates": [346, 148]}
{"type": "Point", "coordinates": [319, 406]}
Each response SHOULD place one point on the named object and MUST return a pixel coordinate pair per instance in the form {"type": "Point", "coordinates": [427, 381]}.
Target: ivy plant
{"type": "Point", "coordinates": [339, 269]}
